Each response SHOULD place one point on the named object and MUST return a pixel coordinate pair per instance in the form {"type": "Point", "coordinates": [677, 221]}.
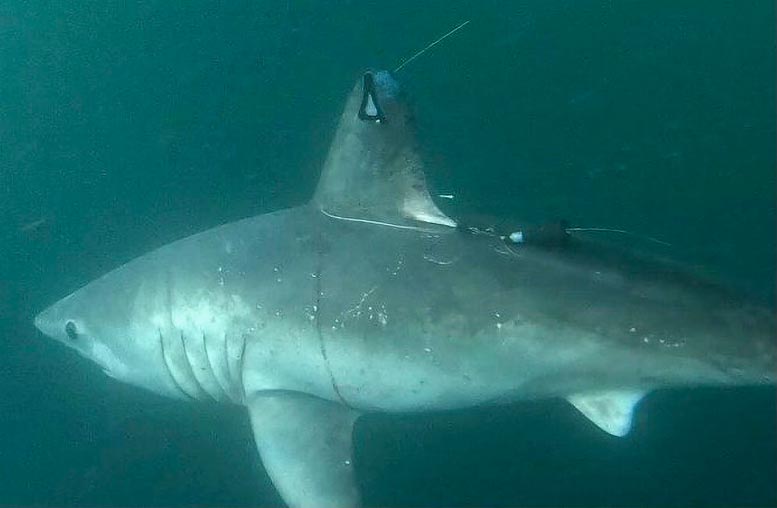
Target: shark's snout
{"type": "Point", "coordinates": [44, 323]}
{"type": "Point", "coordinates": [52, 323]}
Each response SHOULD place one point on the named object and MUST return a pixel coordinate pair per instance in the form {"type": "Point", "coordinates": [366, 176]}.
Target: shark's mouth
{"type": "Point", "coordinates": [370, 107]}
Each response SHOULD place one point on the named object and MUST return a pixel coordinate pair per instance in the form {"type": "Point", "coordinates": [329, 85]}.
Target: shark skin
{"type": "Point", "coordinates": [370, 299]}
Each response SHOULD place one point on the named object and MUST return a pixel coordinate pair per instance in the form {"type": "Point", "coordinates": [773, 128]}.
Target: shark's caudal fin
{"type": "Point", "coordinates": [611, 411]}
{"type": "Point", "coordinates": [373, 171]}
{"type": "Point", "coordinates": [305, 445]}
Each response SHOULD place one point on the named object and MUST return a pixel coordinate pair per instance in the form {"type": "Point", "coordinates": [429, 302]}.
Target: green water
{"type": "Point", "coordinates": [126, 125]}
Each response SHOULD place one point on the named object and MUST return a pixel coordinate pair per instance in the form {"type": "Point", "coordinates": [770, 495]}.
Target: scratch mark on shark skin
{"type": "Point", "coordinates": [441, 262]}
{"type": "Point", "coordinates": [506, 250]}
{"type": "Point", "coordinates": [321, 342]}
{"type": "Point", "coordinates": [373, 222]}
{"type": "Point", "coordinates": [356, 309]}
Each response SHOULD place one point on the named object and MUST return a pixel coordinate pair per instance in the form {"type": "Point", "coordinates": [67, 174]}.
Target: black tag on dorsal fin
{"type": "Point", "coordinates": [370, 107]}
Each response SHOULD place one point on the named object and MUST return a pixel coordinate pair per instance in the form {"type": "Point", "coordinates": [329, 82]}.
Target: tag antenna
{"type": "Point", "coordinates": [430, 46]}
{"type": "Point", "coordinates": [623, 232]}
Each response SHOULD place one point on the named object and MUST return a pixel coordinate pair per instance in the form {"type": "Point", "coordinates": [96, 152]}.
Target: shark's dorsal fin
{"type": "Point", "coordinates": [373, 171]}
{"type": "Point", "coordinates": [305, 446]}
{"type": "Point", "coordinates": [611, 411]}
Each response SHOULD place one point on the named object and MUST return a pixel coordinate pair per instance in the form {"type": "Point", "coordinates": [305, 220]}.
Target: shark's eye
{"type": "Point", "coordinates": [71, 330]}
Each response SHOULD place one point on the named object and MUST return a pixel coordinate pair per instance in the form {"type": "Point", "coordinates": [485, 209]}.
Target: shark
{"type": "Point", "coordinates": [369, 298]}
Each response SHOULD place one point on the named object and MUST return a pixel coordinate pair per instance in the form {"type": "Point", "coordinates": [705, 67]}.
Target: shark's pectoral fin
{"type": "Point", "coordinates": [611, 411]}
{"type": "Point", "coordinates": [305, 445]}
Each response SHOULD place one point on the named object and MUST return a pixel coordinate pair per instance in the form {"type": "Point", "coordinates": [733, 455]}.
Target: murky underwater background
{"type": "Point", "coordinates": [126, 125]}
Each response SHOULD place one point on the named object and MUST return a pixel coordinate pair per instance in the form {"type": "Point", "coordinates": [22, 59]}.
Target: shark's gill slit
{"type": "Point", "coordinates": [188, 362]}
{"type": "Point", "coordinates": [234, 374]}
{"type": "Point", "coordinates": [240, 367]}
{"type": "Point", "coordinates": [232, 379]}
{"type": "Point", "coordinates": [234, 352]}
{"type": "Point", "coordinates": [230, 374]}
{"type": "Point", "coordinates": [170, 370]}
{"type": "Point", "coordinates": [216, 377]}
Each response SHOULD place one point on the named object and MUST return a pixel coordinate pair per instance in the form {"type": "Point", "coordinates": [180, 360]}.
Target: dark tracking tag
{"type": "Point", "coordinates": [549, 235]}
{"type": "Point", "coordinates": [553, 234]}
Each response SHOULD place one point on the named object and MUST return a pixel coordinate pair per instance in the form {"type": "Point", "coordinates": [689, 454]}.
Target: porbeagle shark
{"type": "Point", "coordinates": [369, 298]}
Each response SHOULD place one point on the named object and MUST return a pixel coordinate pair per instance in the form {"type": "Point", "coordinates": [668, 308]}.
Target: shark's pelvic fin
{"type": "Point", "coordinates": [373, 170]}
{"type": "Point", "coordinates": [305, 445]}
{"type": "Point", "coordinates": [611, 411]}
